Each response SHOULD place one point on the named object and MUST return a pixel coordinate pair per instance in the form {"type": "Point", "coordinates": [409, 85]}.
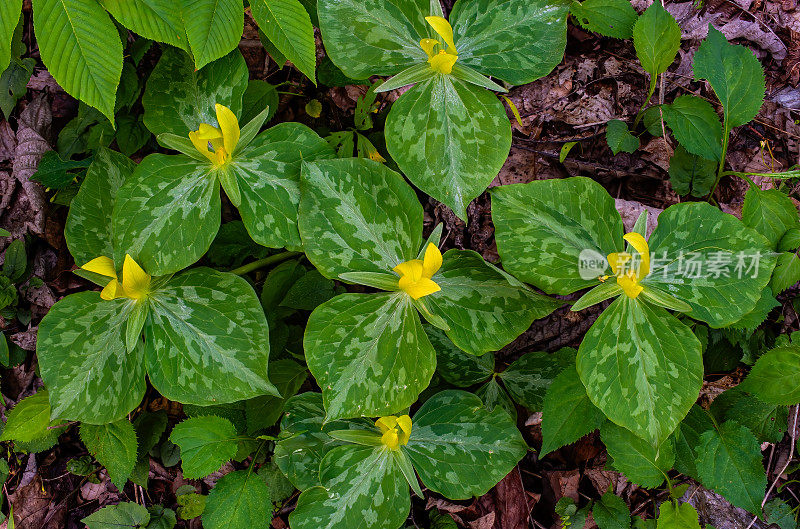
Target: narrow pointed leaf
{"type": "Point", "coordinates": [287, 25]}
{"type": "Point", "coordinates": [9, 17]}
{"type": "Point", "coordinates": [213, 28]}
{"type": "Point", "coordinates": [158, 20]}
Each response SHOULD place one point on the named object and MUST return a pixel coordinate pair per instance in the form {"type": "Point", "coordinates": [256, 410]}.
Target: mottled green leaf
{"type": "Point", "coordinates": [657, 38]}
{"type": "Point", "coordinates": [239, 499]}
{"type": "Point", "coordinates": [619, 138]}
{"type": "Point", "coordinates": [263, 412]}
{"type": "Point", "coordinates": [9, 17]}
{"type": "Point", "coordinates": [213, 28]}
{"type": "Point", "coordinates": [459, 448]}
{"type": "Point", "coordinates": [568, 414]}
{"type": "Point", "coordinates": [770, 212]}
{"type": "Point", "coordinates": [206, 444]}
{"type": "Point", "coordinates": [83, 359]}
{"type": "Point", "coordinates": [612, 18]}
{"type": "Point", "coordinates": [450, 138]}
{"type": "Point", "coordinates": [114, 446]}
{"type": "Point", "coordinates": [543, 227]}
{"type": "Point", "coordinates": [166, 214]}
{"type": "Point", "coordinates": [287, 25]}
{"type": "Point", "coordinates": [729, 462]}
{"type": "Point", "coordinates": [268, 174]}
{"type": "Point", "coordinates": [775, 378]}
{"type": "Point", "coordinates": [710, 260]}
{"type": "Point", "coordinates": [680, 516]}
{"type": "Point", "coordinates": [357, 215]}
{"type": "Point", "coordinates": [158, 20]}
{"type": "Point", "coordinates": [456, 366]}
{"type": "Point", "coordinates": [696, 126]}
{"type": "Point", "coordinates": [642, 367]}
{"type": "Point", "coordinates": [178, 97]}
{"type": "Point", "coordinates": [640, 461]}
{"type": "Point", "coordinates": [368, 353]}
{"type": "Point", "coordinates": [373, 37]}
{"type": "Point", "coordinates": [517, 41]}
{"type": "Point", "coordinates": [120, 516]}
{"type": "Point", "coordinates": [691, 174]}
{"type": "Point", "coordinates": [207, 340]}
{"type": "Point", "coordinates": [611, 512]}
{"type": "Point", "coordinates": [735, 75]}
{"type": "Point", "coordinates": [528, 377]}
{"type": "Point", "coordinates": [493, 395]}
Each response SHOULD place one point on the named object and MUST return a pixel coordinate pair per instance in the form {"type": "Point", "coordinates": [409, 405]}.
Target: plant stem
{"type": "Point", "coordinates": [261, 263]}
{"type": "Point", "coordinates": [721, 171]}
{"type": "Point", "coordinates": [640, 114]}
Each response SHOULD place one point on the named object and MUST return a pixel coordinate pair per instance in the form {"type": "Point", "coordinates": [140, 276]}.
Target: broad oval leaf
{"type": "Point", "coordinates": [775, 378]}
{"type": "Point", "coordinates": [710, 260]}
{"type": "Point", "coordinates": [357, 215]}
{"type": "Point", "coordinates": [459, 448]}
{"type": "Point", "coordinates": [114, 446]}
{"type": "Point", "coordinates": [517, 41]}
{"type": "Point", "coordinates": [373, 37]}
{"type": "Point", "coordinates": [268, 174]}
{"type": "Point", "coordinates": [213, 28]}
{"type": "Point", "coordinates": [689, 173]}
{"type": "Point", "coordinates": [369, 354]}
{"type": "Point", "coordinates": [619, 138]}
{"type": "Point", "coordinates": [450, 138]}
{"type": "Point", "coordinates": [88, 228]}
{"type": "Point", "coordinates": [695, 125]}
{"type": "Point", "coordinates": [81, 48]}
{"type": "Point", "coordinates": [29, 419]}
{"type": "Point", "coordinates": [84, 362]}
{"type": "Point", "coordinates": [682, 516]}
{"type": "Point", "coordinates": [640, 461]}
{"type": "Point", "coordinates": [239, 499]}
{"type": "Point", "coordinates": [118, 516]}
{"type": "Point", "coordinates": [158, 20]}
{"type": "Point", "coordinates": [657, 38]}
{"type": "Point", "coordinates": [611, 18]}
{"type": "Point", "coordinates": [544, 227]}
{"type": "Point", "coordinates": [288, 26]}
{"type": "Point", "coordinates": [207, 339]}
{"type": "Point", "coordinates": [178, 97]}
{"type": "Point", "coordinates": [642, 367]}
{"type": "Point", "coordinates": [770, 212]}
{"type": "Point", "coordinates": [206, 444]}
{"type": "Point", "coordinates": [166, 214]}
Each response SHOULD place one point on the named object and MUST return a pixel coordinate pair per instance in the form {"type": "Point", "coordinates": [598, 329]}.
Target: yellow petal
{"type": "Point", "coordinates": [411, 270]}
{"type": "Point", "coordinates": [419, 288]}
{"type": "Point", "coordinates": [230, 127]}
{"type": "Point", "coordinates": [630, 285]}
{"type": "Point", "coordinates": [617, 261]}
{"type": "Point", "coordinates": [101, 265]}
{"type": "Point", "coordinates": [135, 281]}
{"type": "Point", "coordinates": [640, 245]}
{"type": "Point", "coordinates": [404, 422]}
{"type": "Point", "coordinates": [427, 45]}
{"type": "Point", "coordinates": [390, 438]}
{"type": "Point", "coordinates": [209, 132]}
{"type": "Point", "coordinates": [443, 62]}
{"type": "Point", "coordinates": [444, 29]}
{"type": "Point", "coordinates": [201, 145]}
{"type": "Point", "coordinates": [386, 423]}
{"type": "Point", "coordinates": [112, 290]}
{"type": "Point", "coordinates": [432, 261]}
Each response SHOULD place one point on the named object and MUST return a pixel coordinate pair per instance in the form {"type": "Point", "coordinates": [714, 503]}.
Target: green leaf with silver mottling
{"type": "Point", "coordinates": [114, 446]}
{"type": "Point", "coordinates": [696, 126]}
{"type": "Point", "coordinates": [770, 212]}
{"type": "Point", "coordinates": [775, 378]}
{"type": "Point", "coordinates": [543, 227]}
{"type": "Point", "coordinates": [368, 353]}
{"type": "Point", "coordinates": [88, 228]}
{"type": "Point", "coordinates": [158, 20]}
{"type": "Point", "coordinates": [528, 377]}
{"type": "Point", "coordinates": [362, 487]}
{"type": "Point", "coordinates": [641, 462]}
{"type": "Point", "coordinates": [120, 516]}
{"type": "Point", "coordinates": [263, 412]}
{"type": "Point", "coordinates": [450, 138]}
{"type": "Point", "coordinates": [696, 254]}
{"type": "Point", "coordinates": [454, 365]}
{"type": "Point", "coordinates": [166, 214]}
{"type": "Point", "coordinates": [268, 173]}
{"type": "Point", "coordinates": [207, 339]}
{"type": "Point", "coordinates": [484, 308]}
{"type": "Point", "coordinates": [729, 461]}
{"type": "Point", "coordinates": [568, 414]}
{"type": "Point", "coordinates": [459, 448]}
{"type": "Point", "coordinates": [677, 516]}
{"type": "Point", "coordinates": [239, 499]}
{"type": "Point", "coordinates": [83, 360]}
{"type": "Point", "coordinates": [206, 444]}
{"type": "Point", "coordinates": [357, 216]}
{"type": "Point", "coordinates": [494, 396]}
{"type": "Point", "coordinates": [373, 37]}
{"type": "Point", "coordinates": [213, 28]}
{"type": "Point", "coordinates": [517, 41]}
{"type": "Point", "coordinates": [642, 367]}
{"type": "Point", "coordinates": [178, 98]}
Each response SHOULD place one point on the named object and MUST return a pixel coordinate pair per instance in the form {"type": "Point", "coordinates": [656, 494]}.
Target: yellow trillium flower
{"type": "Point", "coordinates": [443, 60]}
{"type": "Point", "coordinates": [223, 139]}
{"type": "Point", "coordinates": [396, 430]}
{"type": "Point", "coordinates": [628, 277]}
{"type": "Point", "coordinates": [415, 275]}
{"type": "Point", "coordinates": [135, 282]}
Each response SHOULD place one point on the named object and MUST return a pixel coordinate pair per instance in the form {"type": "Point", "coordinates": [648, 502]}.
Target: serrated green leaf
{"type": "Point", "coordinates": [158, 20]}
{"type": "Point", "coordinates": [770, 212]}
{"type": "Point", "coordinates": [735, 75]}
{"type": "Point", "coordinates": [460, 449]}
{"type": "Point", "coordinates": [178, 97]}
{"type": "Point", "coordinates": [213, 28]}
{"type": "Point", "coordinates": [494, 396]}
{"type": "Point", "coordinates": [756, 317]}
{"type": "Point", "coordinates": [775, 378]}
{"type": "Point", "coordinates": [568, 414]}
{"type": "Point", "coordinates": [357, 215]}
{"type": "Point", "coordinates": [263, 412]}
{"type": "Point", "coordinates": [206, 444]}
{"type": "Point", "coordinates": [155, 204]}
{"type": "Point", "coordinates": [677, 516]}
{"type": "Point", "coordinates": [191, 505]}
{"type": "Point", "coordinates": [619, 138]}
{"type": "Point", "coordinates": [149, 426]}
{"type": "Point", "coordinates": [640, 461]}
{"type": "Point", "coordinates": [119, 516]}
{"type": "Point", "coordinates": [216, 322]}
{"type": "Point", "coordinates": [81, 48]}
{"type": "Point", "coordinates": [83, 360]}
{"type": "Point", "coordinates": [787, 272]}
{"type": "Point", "coordinates": [734, 268]}
{"type": "Point", "coordinates": [543, 227]}
{"type": "Point", "coordinates": [287, 25]}
{"type": "Point", "coordinates": [768, 422]}
{"type": "Point", "coordinates": [450, 139]}
{"type": "Point", "coordinates": [29, 419]}
{"type": "Point", "coordinates": [9, 17]}
{"type": "Point", "coordinates": [695, 125]}
{"type": "Point", "coordinates": [161, 518]}
{"type": "Point", "coordinates": [611, 18]}
{"type": "Point", "coordinates": [368, 353]}
{"type": "Point", "coordinates": [691, 174]}
{"type": "Point", "coordinates": [611, 512]}
{"type": "Point", "coordinates": [454, 365]}
{"type": "Point", "coordinates": [239, 499]}
{"type": "Point", "coordinates": [528, 377]}
{"type": "Point", "coordinates": [280, 488]}
{"type": "Point", "coordinates": [657, 38]}
{"type": "Point", "coordinates": [629, 342]}
{"type": "Point", "coordinates": [729, 462]}
{"type": "Point", "coordinates": [114, 446]}
{"type": "Point", "coordinates": [779, 513]}
{"type": "Point", "coordinates": [687, 440]}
